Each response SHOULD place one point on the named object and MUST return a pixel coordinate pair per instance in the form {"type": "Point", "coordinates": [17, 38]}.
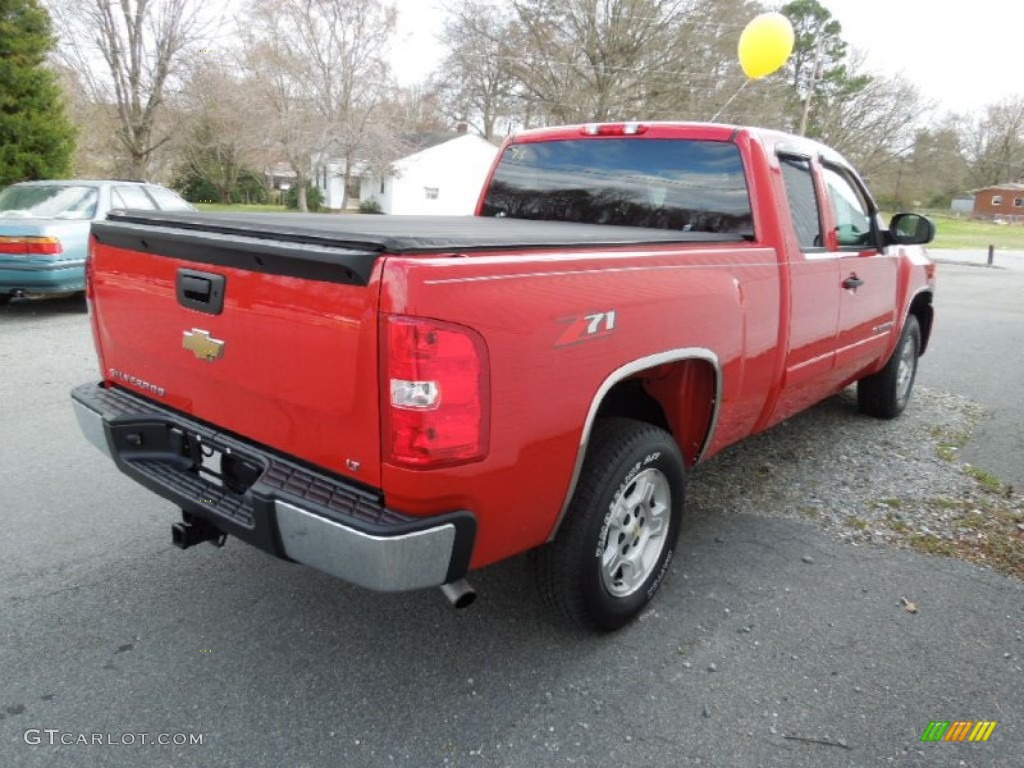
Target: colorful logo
{"type": "Point", "coordinates": [958, 730]}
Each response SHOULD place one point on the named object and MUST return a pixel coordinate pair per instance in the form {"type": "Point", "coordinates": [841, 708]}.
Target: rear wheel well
{"type": "Point", "coordinates": [677, 397]}
{"type": "Point", "coordinates": [629, 400]}
{"type": "Point", "coordinates": [921, 308]}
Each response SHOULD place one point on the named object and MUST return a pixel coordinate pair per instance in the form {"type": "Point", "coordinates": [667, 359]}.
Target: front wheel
{"type": "Point", "coordinates": [620, 532]}
{"type": "Point", "coordinates": [885, 394]}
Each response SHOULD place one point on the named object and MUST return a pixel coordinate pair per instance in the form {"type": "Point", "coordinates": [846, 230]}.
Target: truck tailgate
{"type": "Point", "coordinates": [273, 341]}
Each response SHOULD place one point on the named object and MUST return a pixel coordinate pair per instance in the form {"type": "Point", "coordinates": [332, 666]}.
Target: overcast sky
{"type": "Point", "coordinates": [961, 56]}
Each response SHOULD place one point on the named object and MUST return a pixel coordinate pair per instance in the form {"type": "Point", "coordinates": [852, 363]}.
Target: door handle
{"type": "Point", "coordinates": [202, 291]}
{"type": "Point", "coordinates": [852, 283]}
{"type": "Point", "coordinates": [196, 288]}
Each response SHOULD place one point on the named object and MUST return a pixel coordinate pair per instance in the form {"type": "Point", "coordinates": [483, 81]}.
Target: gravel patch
{"type": "Point", "coordinates": [873, 481]}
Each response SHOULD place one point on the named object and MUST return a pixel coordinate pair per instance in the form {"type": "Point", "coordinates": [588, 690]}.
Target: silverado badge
{"type": "Point", "coordinates": [202, 345]}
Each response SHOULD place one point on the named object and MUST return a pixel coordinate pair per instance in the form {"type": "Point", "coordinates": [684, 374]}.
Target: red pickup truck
{"type": "Point", "coordinates": [399, 400]}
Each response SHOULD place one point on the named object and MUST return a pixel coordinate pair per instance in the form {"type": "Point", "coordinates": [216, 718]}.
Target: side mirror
{"type": "Point", "coordinates": [910, 229]}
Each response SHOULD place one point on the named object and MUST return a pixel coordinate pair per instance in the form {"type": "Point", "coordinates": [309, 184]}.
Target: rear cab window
{"type": "Point", "coordinates": [684, 185]}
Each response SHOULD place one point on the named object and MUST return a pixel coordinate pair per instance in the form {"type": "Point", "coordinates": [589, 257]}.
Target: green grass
{"type": "Point", "coordinates": [986, 480]}
{"type": "Point", "coordinates": [948, 442]}
{"type": "Point", "coordinates": [926, 542]}
{"type": "Point", "coordinates": [986, 528]}
{"type": "Point", "coordinates": [994, 539]}
{"type": "Point", "coordinates": [963, 234]}
{"type": "Point", "coordinates": [896, 524]}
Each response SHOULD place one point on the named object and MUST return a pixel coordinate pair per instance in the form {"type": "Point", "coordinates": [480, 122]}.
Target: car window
{"type": "Point", "coordinates": [132, 197]}
{"type": "Point", "coordinates": [48, 201]}
{"type": "Point", "coordinates": [851, 211]}
{"type": "Point", "coordinates": [678, 184]}
{"type": "Point", "coordinates": [168, 200]}
{"type": "Point", "coordinates": [803, 201]}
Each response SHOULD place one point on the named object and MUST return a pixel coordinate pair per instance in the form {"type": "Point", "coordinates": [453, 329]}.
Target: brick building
{"type": "Point", "coordinates": [1000, 200]}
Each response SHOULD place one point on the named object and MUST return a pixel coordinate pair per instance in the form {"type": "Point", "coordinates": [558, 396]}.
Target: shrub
{"type": "Point", "coordinates": [314, 197]}
{"type": "Point", "coordinates": [250, 188]}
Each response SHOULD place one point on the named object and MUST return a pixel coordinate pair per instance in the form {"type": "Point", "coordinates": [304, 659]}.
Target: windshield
{"type": "Point", "coordinates": [678, 184]}
{"type": "Point", "coordinates": [38, 201]}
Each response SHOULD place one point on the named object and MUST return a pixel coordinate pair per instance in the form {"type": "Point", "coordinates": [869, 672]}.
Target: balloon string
{"type": "Point", "coordinates": [731, 98]}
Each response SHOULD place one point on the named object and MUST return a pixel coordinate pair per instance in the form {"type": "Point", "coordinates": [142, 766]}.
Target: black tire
{"type": "Point", "coordinates": [5, 299]}
{"type": "Point", "coordinates": [633, 470]}
{"type": "Point", "coordinates": [885, 394]}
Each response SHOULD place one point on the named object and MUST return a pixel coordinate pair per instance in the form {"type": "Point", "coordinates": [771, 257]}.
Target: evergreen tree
{"type": "Point", "coordinates": [36, 139]}
{"type": "Point", "coordinates": [818, 71]}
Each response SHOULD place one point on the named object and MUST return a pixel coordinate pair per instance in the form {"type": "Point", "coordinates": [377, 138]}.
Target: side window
{"type": "Point", "coordinates": [803, 201]}
{"type": "Point", "coordinates": [133, 197]}
{"type": "Point", "coordinates": [167, 200]}
{"type": "Point", "coordinates": [852, 214]}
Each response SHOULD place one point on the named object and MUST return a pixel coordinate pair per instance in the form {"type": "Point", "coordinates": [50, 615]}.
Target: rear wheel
{"type": "Point", "coordinates": [885, 394]}
{"type": "Point", "coordinates": [619, 535]}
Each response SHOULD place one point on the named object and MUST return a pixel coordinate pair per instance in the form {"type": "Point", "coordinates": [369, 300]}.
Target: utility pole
{"type": "Point", "coordinates": [815, 77]}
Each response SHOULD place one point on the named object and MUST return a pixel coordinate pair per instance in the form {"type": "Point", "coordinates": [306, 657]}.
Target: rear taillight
{"type": "Point", "coordinates": [435, 392]}
{"type": "Point", "coordinates": [30, 246]}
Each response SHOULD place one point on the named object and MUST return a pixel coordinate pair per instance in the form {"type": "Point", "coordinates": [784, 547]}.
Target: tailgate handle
{"type": "Point", "coordinates": [202, 291]}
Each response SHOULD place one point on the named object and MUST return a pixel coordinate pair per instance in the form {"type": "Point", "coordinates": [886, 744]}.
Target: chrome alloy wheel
{"type": "Point", "coordinates": [906, 369]}
{"type": "Point", "coordinates": [637, 526]}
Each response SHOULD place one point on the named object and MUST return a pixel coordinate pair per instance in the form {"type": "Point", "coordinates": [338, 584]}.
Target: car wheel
{"type": "Point", "coordinates": [885, 394]}
{"type": "Point", "coordinates": [5, 299]}
{"type": "Point", "coordinates": [619, 534]}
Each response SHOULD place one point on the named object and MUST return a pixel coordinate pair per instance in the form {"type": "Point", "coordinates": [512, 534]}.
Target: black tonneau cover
{"type": "Point", "coordinates": [308, 245]}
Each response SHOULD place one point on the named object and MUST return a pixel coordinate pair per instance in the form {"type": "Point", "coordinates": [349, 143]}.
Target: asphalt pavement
{"type": "Point", "coordinates": [978, 351]}
{"type": "Point", "coordinates": [770, 644]}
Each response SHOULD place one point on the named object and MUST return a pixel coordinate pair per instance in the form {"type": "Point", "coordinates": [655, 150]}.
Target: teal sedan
{"type": "Point", "coordinates": [44, 229]}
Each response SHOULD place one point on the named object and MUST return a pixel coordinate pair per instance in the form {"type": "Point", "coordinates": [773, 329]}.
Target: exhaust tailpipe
{"type": "Point", "coordinates": [194, 530]}
{"type": "Point", "coordinates": [459, 593]}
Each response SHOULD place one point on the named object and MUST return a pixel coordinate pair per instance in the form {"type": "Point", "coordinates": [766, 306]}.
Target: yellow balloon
{"type": "Point", "coordinates": [765, 44]}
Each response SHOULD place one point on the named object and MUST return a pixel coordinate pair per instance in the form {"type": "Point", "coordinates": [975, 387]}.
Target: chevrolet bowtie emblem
{"type": "Point", "coordinates": [202, 345]}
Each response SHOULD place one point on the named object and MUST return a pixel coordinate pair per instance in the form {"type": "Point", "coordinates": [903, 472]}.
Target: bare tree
{"type": "Point", "coordinates": [415, 108]}
{"type": "Point", "coordinates": [127, 52]}
{"type": "Point", "coordinates": [477, 84]}
{"type": "Point", "coordinates": [275, 75]}
{"type": "Point", "coordinates": [593, 59]}
{"type": "Point", "coordinates": [872, 125]}
{"type": "Point", "coordinates": [994, 143]}
{"type": "Point", "coordinates": [96, 146]}
{"type": "Point", "coordinates": [220, 139]}
{"type": "Point", "coordinates": [704, 78]}
{"type": "Point", "coordinates": [936, 170]}
{"type": "Point", "coordinates": [579, 60]}
{"type": "Point", "coordinates": [321, 64]}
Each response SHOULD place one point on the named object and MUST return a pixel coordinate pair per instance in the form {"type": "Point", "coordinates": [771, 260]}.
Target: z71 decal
{"type": "Point", "coordinates": [586, 327]}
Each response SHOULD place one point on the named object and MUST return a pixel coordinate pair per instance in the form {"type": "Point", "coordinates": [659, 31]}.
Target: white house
{"type": "Point", "coordinates": [443, 179]}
